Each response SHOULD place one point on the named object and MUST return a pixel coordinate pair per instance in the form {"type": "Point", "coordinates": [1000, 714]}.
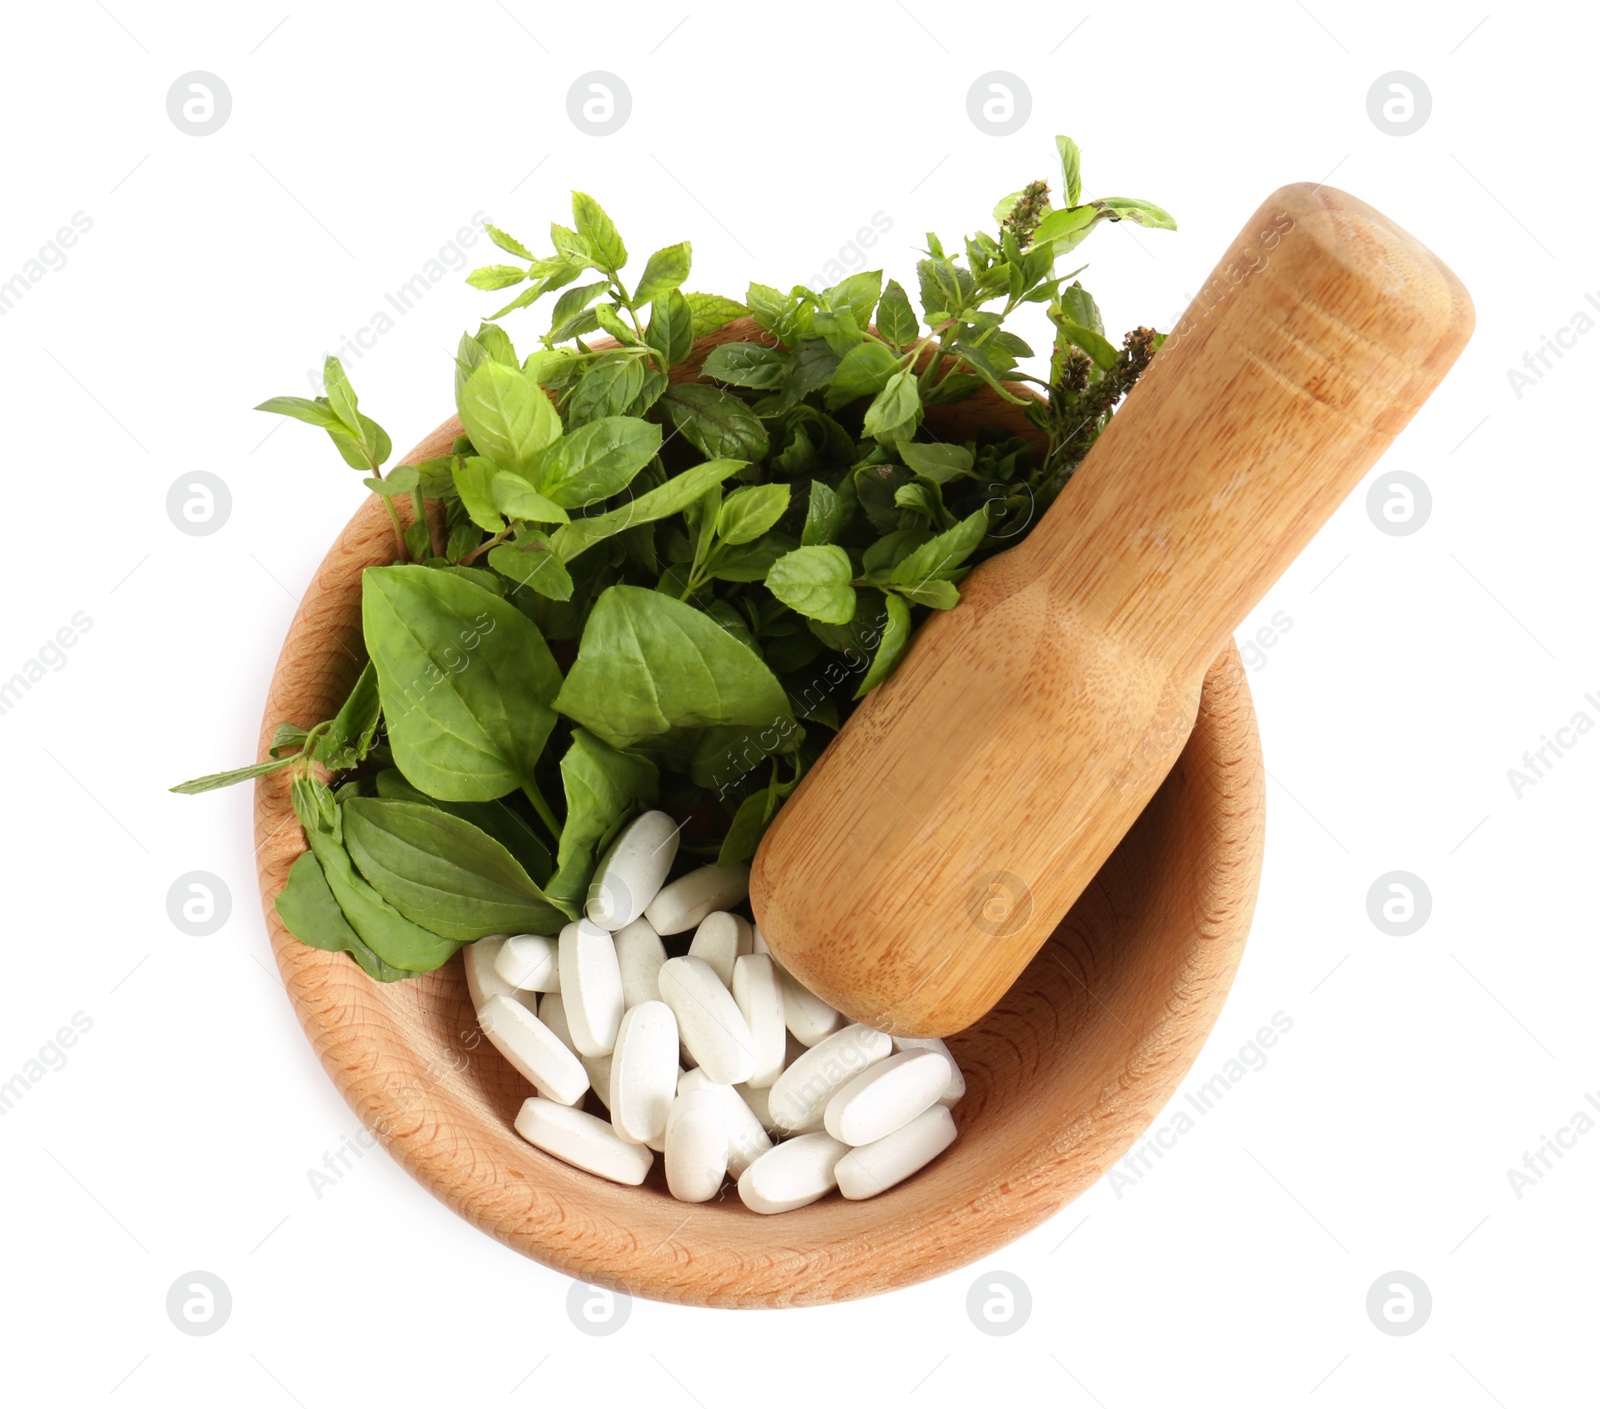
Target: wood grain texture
{"type": "Point", "coordinates": [1063, 1075]}
{"type": "Point", "coordinates": [967, 803]}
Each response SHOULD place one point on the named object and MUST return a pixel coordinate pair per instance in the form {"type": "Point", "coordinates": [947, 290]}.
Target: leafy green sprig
{"type": "Point", "coordinates": [643, 577]}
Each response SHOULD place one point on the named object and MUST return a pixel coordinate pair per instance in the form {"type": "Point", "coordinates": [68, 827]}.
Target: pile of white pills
{"type": "Point", "coordinates": [717, 1060]}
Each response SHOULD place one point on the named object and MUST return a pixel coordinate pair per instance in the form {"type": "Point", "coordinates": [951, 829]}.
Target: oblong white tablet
{"type": "Point", "coordinates": [887, 1095]}
{"type": "Point", "coordinates": [758, 991]}
{"type": "Point", "coordinates": [528, 961]}
{"type": "Point", "coordinates": [533, 1049]}
{"type": "Point", "coordinates": [791, 1175]}
{"type": "Point", "coordinates": [683, 903]}
{"type": "Point", "coordinates": [758, 941]}
{"type": "Point", "coordinates": [697, 1146]}
{"type": "Point", "coordinates": [632, 870]}
{"type": "Point", "coordinates": [870, 1169]}
{"type": "Point", "coordinates": [747, 1136]}
{"type": "Point", "coordinates": [720, 939]}
{"type": "Point", "coordinates": [640, 955]}
{"type": "Point", "coordinates": [644, 1072]}
{"type": "Point", "coordinates": [958, 1082]}
{"type": "Point", "coordinates": [582, 1140]}
{"type": "Point", "coordinates": [807, 1016]}
{"type": "Point", "coordinates": [799, 1097]}
{"type": "Point", "coordinates": [591, 987]}
{"type": "Point", "coordinates": [477, 962]}
{"type": "Point", "coordinates": [709, 1021]}
{"type": "Point", "coordinates": [756, 1098]}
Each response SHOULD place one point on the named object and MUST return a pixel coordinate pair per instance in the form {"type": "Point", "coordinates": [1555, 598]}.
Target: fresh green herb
{"type": "Point", "coordinates": [642, 578]}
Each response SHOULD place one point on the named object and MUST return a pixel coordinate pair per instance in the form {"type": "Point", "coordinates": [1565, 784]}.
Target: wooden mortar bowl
{"type": "Point", "coordinates": [1062, 1076]}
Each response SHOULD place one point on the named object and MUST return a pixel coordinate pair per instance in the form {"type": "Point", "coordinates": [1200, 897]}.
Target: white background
{"type": "Point", "coordinates": [1418, 669]}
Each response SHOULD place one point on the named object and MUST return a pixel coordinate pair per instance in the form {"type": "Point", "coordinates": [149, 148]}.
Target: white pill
{"type": "Point", "coordinates": [870, 1169]}
{"type": "Point", "coordinates": [709, 1021]}
{"type": "Point", "coordinates": [644, 1072]}
{"type": "Point", "coordinates": [958, 1083]}
{"type": "Point", "coordinates": [640, 955]}
{"type": "Point", "coordinates": [756, 1098]}
{"type": "Point", "coordinates": [697, 1146]}
{"type": "Point", "coordinates": [759, 993]}
{"type": "Point", "coordinates": [791, 1175]}
{"type": "Point", "coordinates": [582, 1140]}
{"type": "Point", "coordinates": [686, 901]}
{"type": "Point", "coordinates": [552, 1013]}
{"type": "Point", "coordinates": [528, 961]}
{"type": "Point", "coordinates": [758, 942]}
{"type": "Point", "coordinates": [747, 1137]}
{"type": "Point", "coordinates": [477, 961]}
{"type": "Point", "coordinates": [591, 987]}
{"type": "Point", "coordinates": [887, 1095]}
{"type": "Point", "coordinates": [807, 1016]}
{"type": "Point", "coordinates": [533, 1049]}
{"type": "Point", "coordinates": [720, 939]}
{"type": "Point", "coordinates": [799, 1097]}
{"type": "Point", "coordinates": [632, 870]}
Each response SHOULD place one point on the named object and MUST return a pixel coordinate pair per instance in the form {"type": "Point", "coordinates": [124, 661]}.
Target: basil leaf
{"type": "Point", "coordinates": [671, 328]}
{"type": "Point", "coordinates": [499, 819]}
{"type": "Point", "coordinates": [466, 680]}
{"type": "Point", "coordinates": [212, 781]}
{"type": "Point", "coordinates": [649, 664]}
{"type": "Point", "coordinates": [598, 234]}
{"type": "Point", "coordinates": [856, 295]}
{"type": "Point", "coordinates": [891, 646]}
{"type": "Point", "coordinates": [863, 371]}
{"type": "Point", "coordinates": [896, 323]}
{"type": "Point", "coordinates": [517, 499]}
{"type": "Point", "coordinates": [313, 413]}
{"type": "Point", "coordinates": [748, 513]}
{"type": "Point", "coordinates": [747, 364]}
{"type": "Point", "coordinates": [311, 914]}
{"type": "Point", "coordinates": [355, 726]}
{"type": "Point", "coordinates": [533, 562]}
{"type": "Point", "coordinates": [1144, 213]}
{"type": "Point", "coordinates": [1104, 355]}
{"type": "Point", "coordinates": [496, 276]}
{"type": "Point", "coordinates": [603, 787]}
{"type": "Point", "coordinates": [1071, 177]}
{"type": "Point", "coordinates": [383, 929]}
{"type": "Point", "coordinates": [825, 514]}
{"type": "Point", "coordinates": [934, 592]}
{"type": "Point", "coordinates": [664, 272]}
{"type": "Point", "coordinates": [473, 477]}
{"type": "Point", "coordinates": [443, 873]}
{"type": "Point", "coordinates": [746, 829]}
{"type": "Point", "coordinates": [896, 411]}
{"type": "Point", "coordinates": [574, 301]}
{"type": "Point", "coordinates": [597, 460]}
{"type": "Point", "coordinates": [673, 497]}
{"type": "Point", "coordinates": [716, 422]}
{"type": "Point", "coordinates": [712, 311]}
{"type": "Point", "coordinates": [505, 242]}
{"type": "Point", "coordinates": [815, 581]}
{"type": "Point", "coordinates": [943, 554]}
{"type": "Point", "coordinates": [508, 418]}
{"type": "Point", "coordinates": [608, 388]}
{"type": "Point", "coordinates": [939, 463]}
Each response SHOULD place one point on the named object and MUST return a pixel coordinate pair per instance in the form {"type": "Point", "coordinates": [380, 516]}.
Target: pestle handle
{"type": "Point", "coordinates": [969, 801]}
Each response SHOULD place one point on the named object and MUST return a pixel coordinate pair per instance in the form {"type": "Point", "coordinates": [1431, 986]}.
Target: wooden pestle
{"type": "Point", "coordinates": [969, 800]}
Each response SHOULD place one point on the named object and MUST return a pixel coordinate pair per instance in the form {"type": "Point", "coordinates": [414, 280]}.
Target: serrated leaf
{"type": "Point", "coordinates": [938, 463]}
{"type": "Point", "coordinates": [896, 411]}
{"type": "Point", "coordinates": [712, 311]}
{"type": "Point", "coordinates": [496, 276]}
{"type": "Point", "coordinates": [508, 417]}
{"type": "Point", "coordinates": [863, 371]}
{"type": "Point", "coordinates": [896, 321]}
{"type": "Point", "coordinates": [596, 230]}
{"type": "Point", "coordinates": [716, 422]}
{"type": "Point", "coordinates": [1071, 174]}
{"type": "Point", "coordinates": [891, 645]}
{"type": "Point", "coordinates": [815, 581]}
{"type": "Point", "coordinates": [747, 364]}
{"type": "Point", "coordinates": [942, 554]}
{"type": "Point", "coordinates": [473, 476]}
{"type": "Point", "coordinates": [671, 328]}
{"type": "Point", "coordinates": [664, 271]}
{"type": "Point", "coordinates": [517, 499]}
{"type": "Point", "coordinates": [507, 243]}
{"type": "Point", "coordinates": [533, 562]}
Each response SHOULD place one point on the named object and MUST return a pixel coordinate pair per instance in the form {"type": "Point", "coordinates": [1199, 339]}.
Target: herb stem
{"type": "Point", "coordinates": [531, 791]}
{"type": "Point", "coordinates": [486, 545]}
